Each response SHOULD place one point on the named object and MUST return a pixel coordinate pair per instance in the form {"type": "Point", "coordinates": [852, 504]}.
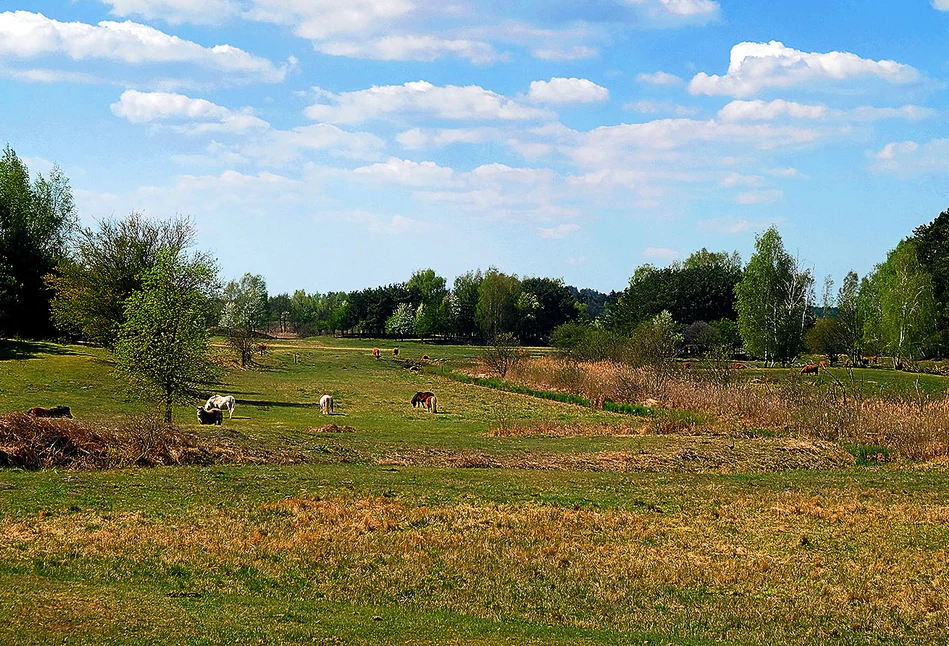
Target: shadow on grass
{"type": "Point", "coordinates": [13, 350]}
{"type": "Point", "coordinates": [269, 404]}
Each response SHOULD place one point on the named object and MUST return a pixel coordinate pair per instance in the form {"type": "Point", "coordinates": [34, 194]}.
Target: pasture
{"type": "Point", "coordinates": [504, 518]}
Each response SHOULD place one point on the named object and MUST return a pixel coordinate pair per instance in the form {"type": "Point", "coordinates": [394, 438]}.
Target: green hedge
{"type": "Point", "coordinates": [629, 409]}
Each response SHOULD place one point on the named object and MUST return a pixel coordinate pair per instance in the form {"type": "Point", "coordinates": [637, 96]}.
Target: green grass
{"type": "Point", "coordinates": [359, 547]}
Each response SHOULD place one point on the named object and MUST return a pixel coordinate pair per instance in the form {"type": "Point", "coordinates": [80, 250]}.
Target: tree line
{"type": "Point", "coordinates": [137, 287]}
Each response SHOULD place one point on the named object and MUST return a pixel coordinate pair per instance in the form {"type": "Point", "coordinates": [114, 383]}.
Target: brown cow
{"type": "Point", "coordinates": [810, 369]}
{"type": "Point", "coordinates": [375, 352]}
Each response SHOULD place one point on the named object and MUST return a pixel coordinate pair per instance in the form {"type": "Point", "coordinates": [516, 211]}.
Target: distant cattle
{"type": "Point", "coordinates": [822, 364]}
{"type": "Point", "coordinates": [810, 369]}
{"type": "Point", "coordinates": [222, 401]}
{"type": "Point", "coordinates": [375, 352]}
{"type": "Point", "coordinates": [686, 365]}
{"type": "Point", "coordinates": [212, 416]}
{"type": "Point", "coordinates": [738, 365]}
{"type": "Point", "coordinates": [58, 411]}
{"type": "Point", "coordinates": [326, 404]}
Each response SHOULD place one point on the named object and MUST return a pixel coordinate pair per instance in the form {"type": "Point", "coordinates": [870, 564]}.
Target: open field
{"type": "Point", "coordinates": [567, 525]}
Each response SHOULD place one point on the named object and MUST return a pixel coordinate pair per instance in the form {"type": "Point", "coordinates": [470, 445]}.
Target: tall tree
{"type": "Point", "coordinates": [245, 313]}
{"type": "Point", "coordinates": [497, 301]}
{"type": "Point", "coordinates": [932, 248]}
{"type": "Point", "coordinates": [774, 298]}
{"type": "Point", "coordinates": [465, 302]}
{"type": "Point", "coordinates": [907, 307]}
{"type": "Point", "coordinates": [555, 306]}
{"type": "Point", "coordinates": [163, 346]}
{"type": "Point", "coordinates": [849, 317]}
{"type": "Point", "coordinates": [36, 222]}
{"type": "Point", "coordinates": [105, 266]}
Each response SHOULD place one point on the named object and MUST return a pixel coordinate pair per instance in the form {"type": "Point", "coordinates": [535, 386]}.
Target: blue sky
{"type": "Point", "coordinates": [337, 145]}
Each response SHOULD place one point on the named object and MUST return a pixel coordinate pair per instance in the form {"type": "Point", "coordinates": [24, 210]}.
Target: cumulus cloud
{"type": "Point", "coordinates": [207, 12]}
{"type": "Point", "coordinates": [26, 35]}
{"type": "Point", "coordinates": [412, 48]}
{"type": "Point", "coordinates": [912, 158]}
{"type": "Point", "coordinates": [759, 110]}
{"type": "Point", "coordinates": [420, 98]}
{"type": "Point", "coordinates": [664, 11]}
{"type": "Point", "coordinates": [560, 53]}
{"type": "Point", "coordinates": [406, 173]}
{"type": "Point", "coordinates": [201, 114]}
{"type": "Point", "coordinates": [658, 78]}
{"type": "Point", "coordinates": [940, 5]}
{"type": "Point", "coordinates": [754, 67]}
{"type": "Point", "coordinates": [566, 91]}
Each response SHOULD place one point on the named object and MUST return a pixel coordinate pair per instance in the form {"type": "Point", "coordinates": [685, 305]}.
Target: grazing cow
{"type": "Point", "coordinates": [809, 369]}
{"type": "Point", "coordinates": [212, 416]}
{"type": "Point", "coordinates": [395, 352]}
{"type": "Point", "coordinates": [375, 352]}
{"type": "Point", "coordinates": [420, 398]}
{"type": "Point", "coordinates": [326, 404]}
{"type": "Point", "coordinates": [58, 411]}
{"type": "Point", "coordinates": [222, 401]}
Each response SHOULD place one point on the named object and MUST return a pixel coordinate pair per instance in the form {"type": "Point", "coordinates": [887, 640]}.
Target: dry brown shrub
{"type": "Point", "coordinates": [43, 443]}
{"type": "Point", "coordinates": [912, 426]}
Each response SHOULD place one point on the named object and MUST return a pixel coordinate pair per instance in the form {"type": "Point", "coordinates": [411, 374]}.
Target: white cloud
{"type": "Point", "coordinates": [567, 90]}
{"type": "Point", "coordinates": [754, 67]}
{"type": "Point", "coordinates": [278, 147]}
{"type": "Point", "coordinates": [28, 35]}
{"type": "Point", "coordinates": [406, 173]}
{"type": "Point", "coordinates": [449, 102]}
{"type": "Point", "coordinates": [209, 12]}
{"type": "Point", "coordinates": [912, 158]}
{"type": "Point", "coordinates": [761, 197]}
{"type": "Point", "coordinates": [558, 232]}
{"type": "Point", "coordinates": [560, 53]}
{"type": "Point", "coordinates": [737, 179]}
{"type": "Point", "coordinates": [693, 11]}
{"type": "Point", "coordinates": [769, 110]}
{"type": "Point", "coordinates": [321, 19]}
{"type": "Point", "coordinates": [940, 5]}
{"type": "Point", "coordinates": [416, 138]}
{"type": "Point", "coordinates": [647, 106]}
{"type": "Point", "coordinates": [412, 48]}
{"type": "Point", "coordinates": [659, 78]}
{"type": "Point", "coordinates": [660, 253]}
{"type": "Point", "coordinates": [910, 112]}
{"type": "Point", "coordinates": [145, 107]}
{"type": "Point", "coordinates": [730, 225]}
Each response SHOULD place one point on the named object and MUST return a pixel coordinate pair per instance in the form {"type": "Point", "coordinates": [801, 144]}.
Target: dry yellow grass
{"type": "Point", "coordinates": [756, 568]}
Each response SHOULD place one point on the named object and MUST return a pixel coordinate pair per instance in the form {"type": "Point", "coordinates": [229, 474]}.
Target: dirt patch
{"type": "Point", "coordinates": [684, 455]}
{"type": "Point", "coordinates": [332, 428]}
{"type": "Point", "coordinates": [42, 443]}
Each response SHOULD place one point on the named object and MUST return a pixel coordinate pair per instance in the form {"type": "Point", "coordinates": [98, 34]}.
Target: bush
{"type": "Point", "coordinates": [586, 343]}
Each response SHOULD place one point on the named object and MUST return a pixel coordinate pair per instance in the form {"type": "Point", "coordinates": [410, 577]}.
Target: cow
{"type": "Point", "coordinates": [375, 352]}
{"type": "Point", "coordinates": [58, 411]}
{"type": "Point", "coordinates": [326, 404]}
{"type": "Point", "coordinates": [212, 416]}
{"type": "Point", "coordinates": [810, 369]}
{"type": "Point", "coordinates": [222, 401]}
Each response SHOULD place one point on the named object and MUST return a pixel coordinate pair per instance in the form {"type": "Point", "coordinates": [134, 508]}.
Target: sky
{"type": "Point", "coordinates": [332, 145]}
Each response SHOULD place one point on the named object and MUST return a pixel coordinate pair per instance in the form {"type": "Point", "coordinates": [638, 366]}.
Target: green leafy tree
{"type": "Point", "coordinates": [932, 248]}
{"type": "Point", "coordinates": [774, 298]}
{"type": "Point", "coordinates": [825, 338]}
{"type": "Point", "coordinates": [465, 296]}
{"type": "Point", "coordinates": [907, 307]}
{"type": "Point", "coordinates": [850, 317]}
{"type": "Point", "coordinates": [163, 347]}
{"type": "Point", "coordinates": [655, 344]}
{"type": "Point", "coordinates": [501, 354]}
{"type": "Point", "coordinates": [106, 265]}
{"type": "Point", "coordinates": [244, 314]}
{"type": "Point", "coordinates": [547, 304]}
{"type": "Point", "coordinates": [496, 312]}
{"type": "Point", "coordinates": [36, 223]}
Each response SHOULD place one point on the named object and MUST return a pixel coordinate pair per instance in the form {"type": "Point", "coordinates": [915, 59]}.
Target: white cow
{"type": "Point", "coordinates": [222, 402]}
{"type": "Point", "coordinates": [326, 404]}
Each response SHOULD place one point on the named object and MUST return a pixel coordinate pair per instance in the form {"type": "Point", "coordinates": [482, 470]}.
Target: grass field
{"type": "Point", "coordinates": [579, 526]}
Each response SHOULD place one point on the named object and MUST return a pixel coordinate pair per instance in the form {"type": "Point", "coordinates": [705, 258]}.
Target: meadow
{"type": "Point", "coordinates": [504, 518]}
